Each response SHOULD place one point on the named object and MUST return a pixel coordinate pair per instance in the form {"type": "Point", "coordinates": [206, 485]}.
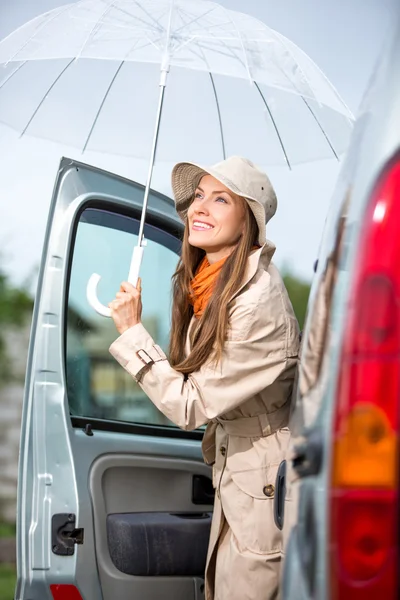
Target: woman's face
{"type": "Point", "coordinates": [215, 218]}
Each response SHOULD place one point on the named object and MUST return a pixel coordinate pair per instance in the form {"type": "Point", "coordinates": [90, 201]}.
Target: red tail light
{"type": "Point", "coordinates": [364, 500]}
{"type": "Point", "coordinates": [65, 592]}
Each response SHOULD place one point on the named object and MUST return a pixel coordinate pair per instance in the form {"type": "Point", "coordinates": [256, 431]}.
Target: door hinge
{"type": "Point", "coordinates": [64, 534]}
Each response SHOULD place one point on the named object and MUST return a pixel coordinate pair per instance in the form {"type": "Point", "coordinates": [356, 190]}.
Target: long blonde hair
{"type": "Point", "coordinates": [209, 335]}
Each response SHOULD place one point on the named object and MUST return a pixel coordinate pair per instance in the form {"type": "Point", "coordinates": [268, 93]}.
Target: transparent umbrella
{"type": "Point", "coordinates": [86, 74]}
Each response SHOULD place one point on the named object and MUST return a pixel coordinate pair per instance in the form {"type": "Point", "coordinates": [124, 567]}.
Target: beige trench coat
{"type": "Point", "coordinates": [245, 401]}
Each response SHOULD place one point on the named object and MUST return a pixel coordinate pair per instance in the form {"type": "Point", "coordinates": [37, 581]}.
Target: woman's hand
{"type": "Point", "coordinates": [126, 309]}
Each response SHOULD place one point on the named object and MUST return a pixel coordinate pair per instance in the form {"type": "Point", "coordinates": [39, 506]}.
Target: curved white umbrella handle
{"type": "Point", "coordinates": [91, 295]}
{"type": "Point", "coordinates": [91, 289]}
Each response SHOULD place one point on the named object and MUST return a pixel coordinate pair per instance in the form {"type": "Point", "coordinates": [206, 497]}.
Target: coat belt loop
{"type": "Point", "coordinates": [265, 425]}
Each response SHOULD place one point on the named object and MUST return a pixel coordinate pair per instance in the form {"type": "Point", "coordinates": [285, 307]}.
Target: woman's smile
{"type": "Point", "coordinates": [201, 226]}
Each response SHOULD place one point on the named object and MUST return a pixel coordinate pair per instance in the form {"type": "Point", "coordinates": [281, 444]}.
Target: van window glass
{"type": "Point", "coordinates": [97, 385]}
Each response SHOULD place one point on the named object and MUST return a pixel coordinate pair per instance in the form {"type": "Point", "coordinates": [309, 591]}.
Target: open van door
{"type": "Point", "coordinates": [114, 501]}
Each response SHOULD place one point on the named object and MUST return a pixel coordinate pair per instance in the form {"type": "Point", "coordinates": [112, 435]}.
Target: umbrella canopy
{"type": "Point", "coordinates": [86, 74]}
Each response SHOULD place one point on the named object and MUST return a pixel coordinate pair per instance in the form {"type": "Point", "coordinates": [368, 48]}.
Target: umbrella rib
{"type": "Point", "coordinates": [123, 24]}
{"type": "Point", "coordinates": [43, 24]}
{"type": "Point", "coordinates": [274, 124]}
{"type": "Point", "coordinates": [215, 94]}
{"type": "Point", "coordinates": [193, 20]}
{"type": "Point", "coordinates": [241, 42]}
{"type": "Point", "coordinates": [160, 28]}
{"type": "Point", "coordinates": [101, 106]}
{"type": "Point", "coordinates": [3, 83]}
{"type": "Point", "coordinates": [45, 96]}
{"type": "Point", "coordinates": [95, 28]}
{"type": "Point", "coordinates": [197, 36]}
{"type": "Point", "coordinates": [155, 21]}
{"type": "Point", "coordinates": [321, 128]}
{"type": "Point", "coordinates": [128, 14]}
{"type": "Point", "coordinates": [282, 37]}
{"type": "Point", "coordinates": [313, 114]}
{"type": "Point", "coordinates": [219, 116]}
{"type": "Point", "coordinates": [283, 41]}
{"type": "Point", "coordinates": [231, 53]}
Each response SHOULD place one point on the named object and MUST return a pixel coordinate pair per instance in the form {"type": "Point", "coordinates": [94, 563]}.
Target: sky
{"type": "Point", "coordinates": [344, 38]}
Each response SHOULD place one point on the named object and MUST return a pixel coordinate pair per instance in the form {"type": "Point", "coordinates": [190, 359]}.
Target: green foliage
{"type": "Point", "coordinates": [7, 571]}
{"type": "Point", "coordinates": [15, 306]}
{"type": "Point", "coordinates": [14, 303]}
{"type": "Point", "coordinates": [298, 291]}
{"type": "Point", "coordinates": [7, 530]}
{"type": "Point", "coordinates": [7, 581]}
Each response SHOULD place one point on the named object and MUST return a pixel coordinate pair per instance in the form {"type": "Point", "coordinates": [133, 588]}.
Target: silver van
{"type": "Point", "coordinates": [342, 490]}
{"type": "Point", "coordinates": [114, 501]}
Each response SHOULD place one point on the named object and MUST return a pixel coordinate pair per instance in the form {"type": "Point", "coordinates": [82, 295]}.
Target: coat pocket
{"type": "Point", "coordinates": [250, 510]}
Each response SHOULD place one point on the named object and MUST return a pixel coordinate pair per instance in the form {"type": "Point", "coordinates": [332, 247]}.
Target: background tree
{"type": "Point", "coordinates": [299, 291]}
{"type": "Point", "coordinates": [15, 308]}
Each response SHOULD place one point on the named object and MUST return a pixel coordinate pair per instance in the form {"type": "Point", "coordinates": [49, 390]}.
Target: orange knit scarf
{"type": "Point", "coordinates": [203, 284]}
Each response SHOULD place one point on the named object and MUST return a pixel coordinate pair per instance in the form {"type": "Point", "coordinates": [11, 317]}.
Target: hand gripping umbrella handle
{"type": "Point", "coordinates": [91, 289]}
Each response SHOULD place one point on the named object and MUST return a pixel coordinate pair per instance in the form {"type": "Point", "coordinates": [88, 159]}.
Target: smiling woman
{"type": "Point", "coordinates": [221, 233]}
{"type": "Point", "coordinates": [232, 358]}
{"type": "Point", "coordinates": [216, 219]}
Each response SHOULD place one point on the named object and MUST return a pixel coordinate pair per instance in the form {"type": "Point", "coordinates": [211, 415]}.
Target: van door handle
{"type": "Point", "coordinates": [307, 458]}
{"type": "Point", "coordinates": [202, 490]}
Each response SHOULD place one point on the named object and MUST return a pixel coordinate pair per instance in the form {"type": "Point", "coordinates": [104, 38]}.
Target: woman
{"type": "Point", "coordinates": [232, 359]}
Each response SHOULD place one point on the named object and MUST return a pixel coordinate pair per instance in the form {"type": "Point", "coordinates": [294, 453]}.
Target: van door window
{"type": "Point", "coordinates": [97, 386]}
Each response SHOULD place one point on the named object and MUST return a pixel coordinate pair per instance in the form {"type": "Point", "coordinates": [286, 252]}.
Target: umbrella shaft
{"type": "Point", "coordinates": [152, 157]}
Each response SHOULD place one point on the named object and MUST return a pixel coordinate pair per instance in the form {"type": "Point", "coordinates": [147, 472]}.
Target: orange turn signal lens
{"type": "Point", "coordinates": [365, 450]}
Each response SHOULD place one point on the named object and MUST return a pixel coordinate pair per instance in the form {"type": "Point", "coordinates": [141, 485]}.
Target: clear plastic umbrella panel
{"type": "Point", "coordinates": [93, 75]}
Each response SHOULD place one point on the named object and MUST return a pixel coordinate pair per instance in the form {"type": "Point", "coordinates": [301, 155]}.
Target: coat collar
{"type": "Point", "coordinates": [260, 258]}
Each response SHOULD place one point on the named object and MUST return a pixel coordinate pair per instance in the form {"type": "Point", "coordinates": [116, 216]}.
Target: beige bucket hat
{"type": "Point", "coordinates": [239, 175]}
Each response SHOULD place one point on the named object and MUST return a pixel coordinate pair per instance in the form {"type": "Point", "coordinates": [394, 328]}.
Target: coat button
{"type": "Point", "coordinates": [269, 490]}
{"type": "Point", "coordinates": [223, 450]}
